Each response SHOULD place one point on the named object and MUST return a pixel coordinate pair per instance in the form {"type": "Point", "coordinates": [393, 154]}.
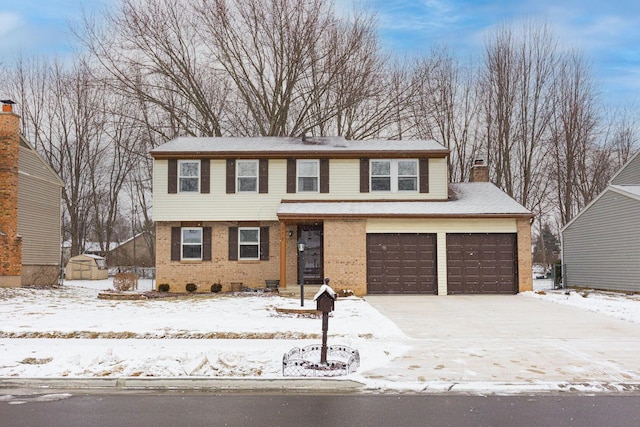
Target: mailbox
{"type": "Point", "coordinates": [325, 303]}
{"type": "Point", "coordinates": [325, 298]}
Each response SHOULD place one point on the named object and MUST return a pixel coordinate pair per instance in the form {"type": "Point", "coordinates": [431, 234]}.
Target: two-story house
{"type": "Point", "coordinates": [376, 217]}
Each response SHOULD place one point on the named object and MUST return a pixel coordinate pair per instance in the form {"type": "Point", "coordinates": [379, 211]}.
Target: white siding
{"type": "Point", "coordinates": [447, 225]}
{"type": "Point", "coordinates": [344, 184]}
{"type": "Point", "coordinates": [601, 248]}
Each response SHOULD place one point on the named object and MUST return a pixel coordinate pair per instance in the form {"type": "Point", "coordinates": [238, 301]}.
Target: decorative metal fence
{"type": "Point", "coordinates": [305, 361]}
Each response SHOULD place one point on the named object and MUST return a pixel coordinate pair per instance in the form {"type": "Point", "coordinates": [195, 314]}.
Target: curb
{"type": "Point", "coordinates": [312, 385]}
{"type": "Point", "coordinates": [193, 384]}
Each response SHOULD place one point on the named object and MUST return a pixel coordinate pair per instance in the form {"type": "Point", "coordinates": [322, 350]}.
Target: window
{"type": "Point", "coordinates": [191, 243]}
{"type": "Point", "coordinates": [188, 176]}
{"type": "Point", "coordinates": [308, 175]}
{"type": "Point", "coordinates": [394, 175]}
{"type": "Point", "coordinates": [380, 175]}
{"type": "Point", "coordinates": [407, 175]}
{"type": "Point", "coordinates": [247, 175]}
{"type": "Point", "coordinates": [249, 243]}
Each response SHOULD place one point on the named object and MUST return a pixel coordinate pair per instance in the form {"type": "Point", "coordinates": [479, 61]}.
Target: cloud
{"type": "Point", "coordinates": [9, 21]}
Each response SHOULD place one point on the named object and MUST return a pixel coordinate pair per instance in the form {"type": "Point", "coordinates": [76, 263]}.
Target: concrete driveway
{"type": "Point", "coordinates": [509, 340]}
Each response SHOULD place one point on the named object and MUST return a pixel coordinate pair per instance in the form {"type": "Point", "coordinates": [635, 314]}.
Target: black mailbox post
{"type": "Point", "coordinates": [325, 303]}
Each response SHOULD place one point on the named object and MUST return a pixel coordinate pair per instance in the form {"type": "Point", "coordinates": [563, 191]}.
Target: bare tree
{"type": "Point", "coordinates": [151, 52]}
{"type": "Point", "coordinates": [287, 58]}
{"type": "Point", "coordinates": [446, 109]}
{"type": "Point", "coordinates": [577, 159]}
{"type": "Point", "coordinates": [518, 78]}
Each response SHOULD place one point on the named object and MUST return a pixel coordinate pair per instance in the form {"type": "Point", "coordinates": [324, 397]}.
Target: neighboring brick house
{"type": "Point", "coordinates": [601, 245]}
{"type": "Point", "coordinates": [376, 217]}
{"type": "Point", "coordinates": [30, 210]}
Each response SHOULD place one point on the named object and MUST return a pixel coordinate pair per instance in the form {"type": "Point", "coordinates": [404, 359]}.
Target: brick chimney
{"type": "Point", "coordinates": [10, 242]}
{"type": "Point", "coordinates": [479, 171]}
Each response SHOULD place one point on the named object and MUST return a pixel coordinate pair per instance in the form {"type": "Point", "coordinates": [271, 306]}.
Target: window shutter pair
{"type": "Point", "coordinates": [264, 243]}
{"type": "Point", "coordinates": [176, 240]}
{"type": "Point", "coordinates": [292, 176]}
{"type": "Point", "coordinates": [263, 176]}
{"type": "Point", "coordinates": [423, 185]}
{"type": "Point", "coordinates": [205, 176]}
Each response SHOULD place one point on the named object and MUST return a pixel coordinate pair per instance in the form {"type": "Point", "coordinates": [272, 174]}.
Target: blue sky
{"type": "Point", "coordinates": [607, 31]}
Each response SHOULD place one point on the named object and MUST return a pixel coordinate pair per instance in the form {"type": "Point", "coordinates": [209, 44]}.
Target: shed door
{"type": "Point", "coordinates": [482, 264]}
{"type": "Point", "coordinates": [401, 264]}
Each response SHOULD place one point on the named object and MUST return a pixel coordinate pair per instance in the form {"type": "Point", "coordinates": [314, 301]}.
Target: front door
{"type": "Point", "coordinates": [312, 271]}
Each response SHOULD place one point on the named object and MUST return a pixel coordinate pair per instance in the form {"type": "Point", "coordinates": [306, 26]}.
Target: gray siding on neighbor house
{"type": "Point", "coordinates": [601, 248]}
{"type": "Point", "coordinates": [630, 174]}
{"type": "Point", "coordinates": [39, 223]}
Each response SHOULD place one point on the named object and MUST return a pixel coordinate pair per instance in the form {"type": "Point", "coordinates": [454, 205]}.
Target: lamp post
{"type": "Point", "coordinates": [301, 269]}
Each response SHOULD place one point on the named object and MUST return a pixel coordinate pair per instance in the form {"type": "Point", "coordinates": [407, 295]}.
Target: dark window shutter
{"type": "Point", "coordinates": [175, 243]}
{"type": "Point", "coordinates": [364, 175]}
{"type": "Point", "coordinates": [324, 175]}
{"type": "Point", "coordinates": [233, 243]}
{"type": "Point", "coordinates": [291, 175]}
{"type": "Point", "coordinates": [231, 176]}
{"type": "Point", "coordinates": [206, 243]}
{"type": "Point", "coordinates": [172, 183]}
{"type": "Point", "coordinates": [264, 243]}
{"type": "Point", "coordinates": [205, 175]}
{"type": "Point", "coordinates": [263, 176]}
{"type": "Point", "coordinates": [424, 175]}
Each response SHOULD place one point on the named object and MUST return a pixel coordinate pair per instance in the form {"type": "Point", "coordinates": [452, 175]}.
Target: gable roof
{"type": "Point", "coordinates": [478, 199]}
{"type": "Point", "coordinates": [44, 170]}
{"type": "Point", "coordinates": [279, 147]}
{"type": "Point", "coordinates": [631, 191]}
{"type": "Point", "coordinates": [629, 174]}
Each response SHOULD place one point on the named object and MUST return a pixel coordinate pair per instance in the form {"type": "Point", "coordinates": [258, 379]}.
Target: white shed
{"type": "Point", "coordinates": [86, 267]}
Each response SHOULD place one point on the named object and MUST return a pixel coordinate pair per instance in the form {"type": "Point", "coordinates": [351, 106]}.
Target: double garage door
{"type": "Point", "coordinates": [476, 263]}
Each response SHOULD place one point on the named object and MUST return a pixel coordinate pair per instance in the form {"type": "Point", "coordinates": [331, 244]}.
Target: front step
{"type": "Point", "coordinates": [293, 291]}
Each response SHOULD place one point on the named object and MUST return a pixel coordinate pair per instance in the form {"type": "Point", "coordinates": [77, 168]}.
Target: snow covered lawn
{"type": "Point", "coordinates": [619, 305]}
{"type": "Point", "coordinates": [69, 332]}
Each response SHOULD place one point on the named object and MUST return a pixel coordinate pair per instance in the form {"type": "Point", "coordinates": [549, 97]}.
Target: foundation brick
{"type": "Point", "coordinates": [251, 274]}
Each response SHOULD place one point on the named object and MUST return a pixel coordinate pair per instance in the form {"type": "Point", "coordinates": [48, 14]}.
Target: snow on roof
{"type": "Point", "coordinates": [477, 198]}
{"type": "Point", "coordinates": [289, 145]}
{"type": "Point", "coordinates": [323, 289]}
{"type": "Point", "coordinates": [630, 190]}
{"type": "Point", "coordinates": [93, 256]}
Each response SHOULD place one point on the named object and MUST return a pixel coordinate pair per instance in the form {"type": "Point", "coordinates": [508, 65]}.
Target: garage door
{"type": "Point", "coordinates": [481, 264]}
{"type": "Point", "coordinates": [401, 264]}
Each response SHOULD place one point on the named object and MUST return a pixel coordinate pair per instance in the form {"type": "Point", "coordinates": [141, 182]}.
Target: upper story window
{"type": "Point", "coordinates": [191, 243]}
{"type": "Point", "coordinates": [249, 243]}
{"type": "Point", "coordinates": [189, 176]}
{"type": "Point", "coordinates": [308, 175]}
{"type": "Point", "coordinates": [247, 176]}
{"type": "Point", "coordinates": [394, 175]}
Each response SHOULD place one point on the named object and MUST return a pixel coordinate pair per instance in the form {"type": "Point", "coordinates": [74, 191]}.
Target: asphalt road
{"type": "Point", "coordinates": [231, 409]}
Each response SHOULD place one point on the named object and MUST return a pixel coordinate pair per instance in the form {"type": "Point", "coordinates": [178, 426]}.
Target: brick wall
{"type": "Point", "coordinates": [10, 243]}
{"type": "Point", "coordinates": [219, 270]}
{"type": "Point", "coordinates": [345, 255]}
